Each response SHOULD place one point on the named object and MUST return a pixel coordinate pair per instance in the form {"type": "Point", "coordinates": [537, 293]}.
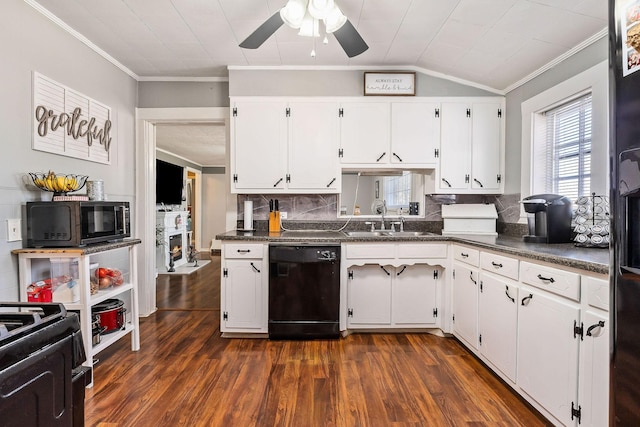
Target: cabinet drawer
{"type": "Point", "coordinates": [499, 264]}
{"type": "Point", "coordinates": [597, 292]}
{"type": "Point", "coordinates": [551, 279]}
{"type": "Point", "coordinates": [418, 250]}
{"type": "Point", "coordinates": [379, 250]}
{"type": "Point", "coordinates": [243, 250]}
{"type": "Point", "coordinates": [466, 255]}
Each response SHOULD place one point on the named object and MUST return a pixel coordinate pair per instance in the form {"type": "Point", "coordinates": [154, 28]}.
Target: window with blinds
{"type": "Point", "coordinates": [397, 190]}
{"type": "Point", "coordinates": [568, 148]}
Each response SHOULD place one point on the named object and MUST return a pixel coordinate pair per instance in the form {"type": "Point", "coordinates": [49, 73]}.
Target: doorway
{"type": "Point", "coordinates": [144, 215]}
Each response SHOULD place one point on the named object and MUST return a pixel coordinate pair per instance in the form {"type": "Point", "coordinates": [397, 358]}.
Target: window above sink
{"type": "Point", "coordinates": [402, 192]}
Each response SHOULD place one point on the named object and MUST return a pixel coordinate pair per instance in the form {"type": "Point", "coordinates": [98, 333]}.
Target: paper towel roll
{"type": "Point", "coordinates": [248, 215]}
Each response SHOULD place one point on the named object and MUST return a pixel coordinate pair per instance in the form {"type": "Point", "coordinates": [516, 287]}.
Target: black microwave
{"type": "Point", "coordinates": [75, 223]}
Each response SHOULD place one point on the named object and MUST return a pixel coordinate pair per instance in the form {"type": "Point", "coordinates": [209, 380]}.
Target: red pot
{"type": "Point", "coordinates": [111, 314]}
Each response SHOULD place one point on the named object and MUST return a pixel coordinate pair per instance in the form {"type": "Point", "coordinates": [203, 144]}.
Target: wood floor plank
{"type": "Point", "coordinates": [185, 374]}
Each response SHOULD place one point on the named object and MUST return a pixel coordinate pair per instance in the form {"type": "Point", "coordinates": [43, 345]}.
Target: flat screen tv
{"type": "Point", "coordinates": [169, 183]}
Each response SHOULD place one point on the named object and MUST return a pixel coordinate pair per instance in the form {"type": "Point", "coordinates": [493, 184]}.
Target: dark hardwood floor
{"type": "Point", "coordinates": [185, 374]}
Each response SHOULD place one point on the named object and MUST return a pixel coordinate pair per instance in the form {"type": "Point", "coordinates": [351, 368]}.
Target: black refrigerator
{"type": "Point", "coordinates": [624, 95]}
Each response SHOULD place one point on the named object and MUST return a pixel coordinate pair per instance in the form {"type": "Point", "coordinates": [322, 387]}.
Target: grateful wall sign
{"type": "Point", "coordinates": [69, 123]}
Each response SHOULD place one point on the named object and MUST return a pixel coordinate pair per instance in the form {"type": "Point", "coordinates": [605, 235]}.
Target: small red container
{"type": "Point", "coordinates": [111, 314]}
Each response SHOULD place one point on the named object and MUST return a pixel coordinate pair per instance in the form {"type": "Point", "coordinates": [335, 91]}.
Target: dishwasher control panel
{"type": "Point", "coordinates": [327, 255]}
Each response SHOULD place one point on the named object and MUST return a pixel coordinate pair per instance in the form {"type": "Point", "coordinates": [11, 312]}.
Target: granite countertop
{"type": "Point", "coordinates": [595, 260]}
{"type": "Point", "coordinates": [82, 250]}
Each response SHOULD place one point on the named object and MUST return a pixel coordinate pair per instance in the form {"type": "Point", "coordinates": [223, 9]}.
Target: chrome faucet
{"type": "Point", "coordinates": [383, 213]}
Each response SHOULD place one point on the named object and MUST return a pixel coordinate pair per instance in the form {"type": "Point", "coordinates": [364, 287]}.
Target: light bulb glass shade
{"type": "Point", "coordinates": [320, 9]}
{"type": "Point", "coordinates": [309, 27]}
{"type": "Point", "coordinates": [293, 12]}
{"type": "Point", "coordinates": [334, 20]}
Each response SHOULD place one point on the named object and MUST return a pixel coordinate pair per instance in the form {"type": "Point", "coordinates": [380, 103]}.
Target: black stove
{"type": "Point", "coordinates": [42, 379]}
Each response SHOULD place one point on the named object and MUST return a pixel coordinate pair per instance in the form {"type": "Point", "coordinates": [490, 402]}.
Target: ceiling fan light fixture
{"type": "Point", "coordinates": [294, 12]}
{"type": "Point", "coordinates": [320, 9]}
{"type": "Point", "coordinates": [310, 27]}
{"type": "Point", "coordinates": [335, 20]}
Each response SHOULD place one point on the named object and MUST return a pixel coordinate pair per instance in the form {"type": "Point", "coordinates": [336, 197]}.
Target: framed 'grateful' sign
{"type": "Point", "coordinates": [69, 123]}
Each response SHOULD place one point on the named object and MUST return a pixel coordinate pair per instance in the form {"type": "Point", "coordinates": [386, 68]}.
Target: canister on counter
{"type": "Point", "coordinates": [95, 189]}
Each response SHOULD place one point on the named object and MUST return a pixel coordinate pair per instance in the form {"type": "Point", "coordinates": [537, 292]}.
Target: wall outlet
{"type": "Point", "coordinates": [283, 215]}
{"type": "Point", "coordinates": [14, 230]}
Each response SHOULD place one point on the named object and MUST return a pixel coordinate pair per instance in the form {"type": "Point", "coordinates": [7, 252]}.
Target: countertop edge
{"type": "Point", "coordinates": [503, 245]}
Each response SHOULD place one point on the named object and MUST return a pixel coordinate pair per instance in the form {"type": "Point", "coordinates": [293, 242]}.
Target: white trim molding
{"type": "Point", "coordinates": [594, 80]}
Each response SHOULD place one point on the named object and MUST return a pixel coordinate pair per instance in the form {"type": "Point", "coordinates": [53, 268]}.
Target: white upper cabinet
{"type": "Point", "coordinates": [471, 147]}
{"type": "Point", "coordinates": [283, 146]}
{"type": "Point", "coordinates": [313, 146]}
{"type": "Point", "coordinates": [402, 134]}
{"type": "Point", "coordinates": [259, 148]}
{"type": "Point", "coordinates": [365, 132]}
{"type": "Point", "coordinates": [415, 133]}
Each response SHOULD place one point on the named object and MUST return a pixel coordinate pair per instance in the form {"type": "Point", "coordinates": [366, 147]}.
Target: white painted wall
{"type": "Point", "coordinates": [31, 42]}
{"type": "Point", "coordinates": [214, 212]}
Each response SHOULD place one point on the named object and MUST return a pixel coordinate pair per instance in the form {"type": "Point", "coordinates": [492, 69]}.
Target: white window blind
{"type": "Point", "coordinates": [397, 190]}
{"type": "Point", "coordinates": [568, 148]}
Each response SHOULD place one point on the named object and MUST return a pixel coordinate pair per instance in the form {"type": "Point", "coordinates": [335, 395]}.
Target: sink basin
{"type": "Point", "coordinates": [402, 233]}
{"type": "Point", "coordinates": [363, 233]}
{"type": "Point", "coordinates": [384, 233]}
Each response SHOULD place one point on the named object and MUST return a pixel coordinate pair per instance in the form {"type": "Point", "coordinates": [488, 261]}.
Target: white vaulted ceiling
{"type": "Point", "coordinates": [492, 43]}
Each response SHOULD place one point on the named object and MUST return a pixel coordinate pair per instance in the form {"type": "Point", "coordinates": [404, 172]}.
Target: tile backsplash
{"type": "Point", "coordinates": [323, 207]}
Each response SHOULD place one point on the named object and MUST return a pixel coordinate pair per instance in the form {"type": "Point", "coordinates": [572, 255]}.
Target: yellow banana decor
{"type": "Point", "coordinates": [58, 183]}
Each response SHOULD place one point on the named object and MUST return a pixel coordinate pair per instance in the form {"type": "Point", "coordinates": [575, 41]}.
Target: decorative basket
{"type": "Point", "coordinates": [58, 184]}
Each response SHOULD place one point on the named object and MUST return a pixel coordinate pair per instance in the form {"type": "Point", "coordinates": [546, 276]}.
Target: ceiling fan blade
{"type": "Point", "coordinates": [263, 32]}
{"type": "Point", "coordinates": [350, 40]}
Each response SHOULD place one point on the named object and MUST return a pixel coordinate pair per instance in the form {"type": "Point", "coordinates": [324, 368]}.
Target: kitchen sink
{"type": "Point", "coordinates": [363, 233]}
{"type": "Point", "coordinates": [384, 233]}
{"type": "Point", "coordinates": [402, 233]}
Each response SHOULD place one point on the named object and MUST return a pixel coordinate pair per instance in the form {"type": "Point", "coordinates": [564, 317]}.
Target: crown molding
{"type": "Point", "coordinates": [59, 22]}
{"type": "Point", "coordinates": [182, 79]}
{"type": "Point", "coordinates": [586, 43]}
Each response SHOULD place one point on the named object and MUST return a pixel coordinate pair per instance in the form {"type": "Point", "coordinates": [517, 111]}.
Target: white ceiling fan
{"type": "Point", "coordinates": [306, 16]}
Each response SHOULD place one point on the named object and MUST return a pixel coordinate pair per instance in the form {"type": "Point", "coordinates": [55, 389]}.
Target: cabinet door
{"type": "Point", "coordinates": [498, 320]}
{"type": "Point", "coordinates": [369, 295]}
{"type": "Point", "coordinates": [415, 132]}
{"type": "Point", "coordinates": [365, 132]}
{"type": "Point", "coordinates": [243, 301]}
{"type": "Point", "coordinates": [313, 146]}
{"type": "Point", "coordinates": [465, 304]}
{"type": "Point", "coordinates": [548, 352]}
{"type": "Point", "coordinates": [259, 137]}
{"type": "Point", "coordinates": [455, 153]}
{"type": "Point", "coordinates": [414, 295]}
{"type": "Point", "coordinates": [486, 145]}
{"type": "Point", "coordinates": [594, 370]}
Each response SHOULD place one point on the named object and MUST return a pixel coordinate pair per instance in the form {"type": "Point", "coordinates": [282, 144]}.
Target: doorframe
{"type": "Point", "coordinates": [197, 223]}
{"type": "Point", "coordinates": [145, 208]}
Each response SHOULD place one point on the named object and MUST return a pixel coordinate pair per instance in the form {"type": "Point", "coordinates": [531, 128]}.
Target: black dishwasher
{"type": "Point", "coordinates": [304, 291]}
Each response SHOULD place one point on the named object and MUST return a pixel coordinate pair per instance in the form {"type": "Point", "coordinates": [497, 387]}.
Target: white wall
{"type": "Point", "coordinates": [214, 209]}
{"type": "Point", "coordinates": [31, 42]}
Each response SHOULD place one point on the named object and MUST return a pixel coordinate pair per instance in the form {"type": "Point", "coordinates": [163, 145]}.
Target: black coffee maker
{"type": "Point", "coordinates": [549, 218]}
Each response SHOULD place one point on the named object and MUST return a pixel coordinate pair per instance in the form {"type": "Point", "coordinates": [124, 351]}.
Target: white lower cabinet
{"type": "Point", "coordinates": [387, 296]}
{"type": "Point", "coordinates": [548, 352]}
{"type": "Point", "coordinates": [465, 304]}
{"type": "Point", "coordinates": [593, 395]}
{"type": "Point", "coordinates": [244, 289]}
{"type": "Point", "coordinates": [369, 296]}
{"type": "Point", "coordinates": [498, 322]}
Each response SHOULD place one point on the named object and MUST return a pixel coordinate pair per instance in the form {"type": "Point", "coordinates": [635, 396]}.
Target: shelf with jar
{"type": "Point", "coordinates": [107, 305]}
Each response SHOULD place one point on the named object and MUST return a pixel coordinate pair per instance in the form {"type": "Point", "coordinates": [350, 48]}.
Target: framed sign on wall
{"type": "Point", "coordinates": [402, 83]}
{"type": "Point", "coordinates": [69, 123]}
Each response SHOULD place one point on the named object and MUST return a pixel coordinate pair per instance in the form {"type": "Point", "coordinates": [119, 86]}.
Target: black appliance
{"type": "Point", "coordinates": [42, 379]}
{"type": "Point", "coordinates": [624, 125]}
{"type": "Point", "coordinates": [55, 224]}
{"type": "Point", "coordinates": [549, 217]}
{"type": "Point", "coordinates": [304, 291]}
